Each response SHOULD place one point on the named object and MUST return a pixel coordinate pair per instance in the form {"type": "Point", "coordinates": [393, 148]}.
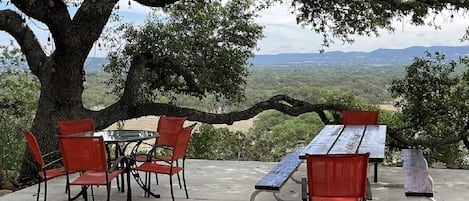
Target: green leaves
{"type": "Point", "coordinates": [18, 102]}
{"type": "Point", "coordinates": [345, 18]}
{"type": "Point", "coordinates": [433, 99]}
{"type": "Point", "coordinates": [195, 47]}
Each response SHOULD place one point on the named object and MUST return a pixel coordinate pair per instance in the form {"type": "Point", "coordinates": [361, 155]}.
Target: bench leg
{"type": "Point", "coordinates": [254, 194]}
{"type": "Point", "coordinates": [296, 180]}
{"type": "Point", "coordinates": [276, 197]}
{"type": "Point", "coordinates": [304, 191]}
{"type": "Point", "coordinates": [375, 179]}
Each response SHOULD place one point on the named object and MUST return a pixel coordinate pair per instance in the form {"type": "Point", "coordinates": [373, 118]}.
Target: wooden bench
{"type": "Point", "coordinates": [417, 181]}
{"type": "Point", "coordinates": [278, 176]}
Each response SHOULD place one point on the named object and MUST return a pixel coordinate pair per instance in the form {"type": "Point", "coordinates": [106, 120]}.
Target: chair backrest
{"type": "Point", "coordinates": [168, 130]}
{"type": "Point", "coordinates": [182, 142]}
{"type": "Point", "coordinates": [83, 153]}
{"type": "Point", "coordinates": [337, 175]}
{"type": "Point", "coordinates": [360, 117]}
{"type": "Point", "coordinates": [34, 147]}
{"type": "Point", "coordinates": [70, 127]}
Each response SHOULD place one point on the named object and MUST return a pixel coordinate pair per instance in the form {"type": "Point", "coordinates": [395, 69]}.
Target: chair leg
{"type": "Point", "coordinates": [147, 186]}
{"type": "Point", "coordinates": [85, 192]}
{"type": "Point", "coordinates": [108, 190]}
{"type": "Point", "coordinates": [67, 188]}
{"type": "Point", "coordinates": [156, 178]}
{"type": "Point", "coordinates": [39, 191]}
{"type": "Point", "coordinates": [129, 190]}
{"type": "Point", "coordinates": [184, 181]}
{"type": "Point", "coordinates": [171, 186]}
{"type": "Point", "coordinates": [179, 178]}
{"type": "Point", "coordinates": [149, 183]}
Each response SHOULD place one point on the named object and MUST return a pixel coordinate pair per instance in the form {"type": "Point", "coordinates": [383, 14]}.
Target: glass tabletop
{"type": "Point", "coordinates": [111, 136]}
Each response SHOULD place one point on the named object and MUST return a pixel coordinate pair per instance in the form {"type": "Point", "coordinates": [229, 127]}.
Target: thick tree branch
{"type": "Point", "coordinates": [13, 23]}
{"type": "Point", "coordinates": [282, 103]}
{"type": "Point", "coordinates": [156, 3]}
{"type": "Point", "coordinates": [179, 69]}
{"type": "Point", "coordinates": [133, 81]}
{"type": "Point", "coordinates": [89, 22]}
{"type": "Point", "coordinates": [53, 13]}
{"type": "Point", "coordinates": [406, 142]}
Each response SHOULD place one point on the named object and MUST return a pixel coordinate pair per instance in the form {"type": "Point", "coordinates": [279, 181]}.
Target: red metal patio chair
{"type": "Point", "coordinates": [168, 130]}
{"type": "Point", "coordinates": [69, 127]}
{"type": "Point", "coordinates": [46, 172]}
{"type": "Point", "coordinates": [74, 126]}
{"type": "Point", "coordinates": [168, 166]}
{"type": "Point", "coordinates": [360, 117]}
{"type": "Point", "coordinates": [87, 155]}
{"type": "Point", "coordinates": [337, 177]}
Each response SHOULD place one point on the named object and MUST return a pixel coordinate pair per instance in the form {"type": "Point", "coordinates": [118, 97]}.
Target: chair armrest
{"type": "Point", "coordinates": [50, 153]}
{"type": "Point", "coordinates": [165, 147]}
{"type": "Point", "coordinates": [46, 166]}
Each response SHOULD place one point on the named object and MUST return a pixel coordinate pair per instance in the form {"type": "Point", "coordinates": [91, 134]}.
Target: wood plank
{"type": "Point", "coordinates": [349, 140]}
{"type": "Point", "coordinates": [417, 181]}
{"type": "Point", "coordinates": [277, 177]}
{"type": "Point", "coordinates": [323, 141]}
{"type": "Point", "coordinates": [374, 141]}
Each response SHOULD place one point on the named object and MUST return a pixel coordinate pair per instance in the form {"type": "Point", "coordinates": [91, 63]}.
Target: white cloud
{"type": "Point", "coordinates": [283, 35]}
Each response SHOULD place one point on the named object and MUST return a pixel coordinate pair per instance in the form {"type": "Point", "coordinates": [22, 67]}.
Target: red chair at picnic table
{"type": "Point", "coordinates": [69, 127]}
{"type": "Point", "coordinates": [45, 172]}
{"type": "Point", "coordinates": [360, 117]}
{"type": "Point", "coordinates": [87, 155]}
{"type": "Point", "coordinates": [168, 166]}
{"type": "Point", "coordinates": [337, 177]}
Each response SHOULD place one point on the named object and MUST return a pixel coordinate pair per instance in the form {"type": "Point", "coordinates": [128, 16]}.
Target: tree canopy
{"type": "Point", "coordinates": [344, 19]}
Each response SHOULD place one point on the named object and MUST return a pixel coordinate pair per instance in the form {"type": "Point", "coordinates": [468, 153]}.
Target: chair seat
{"type": "Point", "coordinates": [52, 173]}
{"type": "Point", "coordinates": [95, 178]}
{"type": "Point", "coordinates": [334, 199]}
{"type": "Point", "coordinates": [158, 168]}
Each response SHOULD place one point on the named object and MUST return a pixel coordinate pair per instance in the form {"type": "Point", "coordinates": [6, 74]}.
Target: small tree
{"type": "Point", "coordinates": [434, 100]}
{"type": "Point", "coordinates": [17, 105]}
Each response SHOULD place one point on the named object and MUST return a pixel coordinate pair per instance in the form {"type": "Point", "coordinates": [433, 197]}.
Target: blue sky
{"type": "Point", "coordinates": [283, 35]}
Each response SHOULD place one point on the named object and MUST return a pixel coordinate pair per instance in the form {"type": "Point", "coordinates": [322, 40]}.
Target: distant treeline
{"type": "Point", "coordinates": [308, 83]}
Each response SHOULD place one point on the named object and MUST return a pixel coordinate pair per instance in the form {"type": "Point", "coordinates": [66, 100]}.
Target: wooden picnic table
{"type": "Point", "coordinates": [349, 139]}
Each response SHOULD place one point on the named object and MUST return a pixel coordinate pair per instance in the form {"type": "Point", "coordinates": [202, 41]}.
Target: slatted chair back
{"type": "Point", "coordinates": [168, 130]}
{"type": "Point", "coordinates": [337, 176]}
{"type": "Point", "coordinates": [70, 127]}
{"type": "Point", "coordinates": [182, 143]}
{"type": "Point", "coordinates": [83, 153]}
{"type": "Point", "coordinates": [360, 117]}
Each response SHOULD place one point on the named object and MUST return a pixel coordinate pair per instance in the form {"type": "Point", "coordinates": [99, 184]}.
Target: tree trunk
{"type": "Point", "coordinates": [60, 99]}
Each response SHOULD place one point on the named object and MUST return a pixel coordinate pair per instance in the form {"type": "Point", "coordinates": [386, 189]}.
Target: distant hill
{"type": "Point", "coordinates": [95, 64]}
{"type": "Point", "coordinates": [336, 58]}
{"type": "Point", "coordinates": [376, 57]}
